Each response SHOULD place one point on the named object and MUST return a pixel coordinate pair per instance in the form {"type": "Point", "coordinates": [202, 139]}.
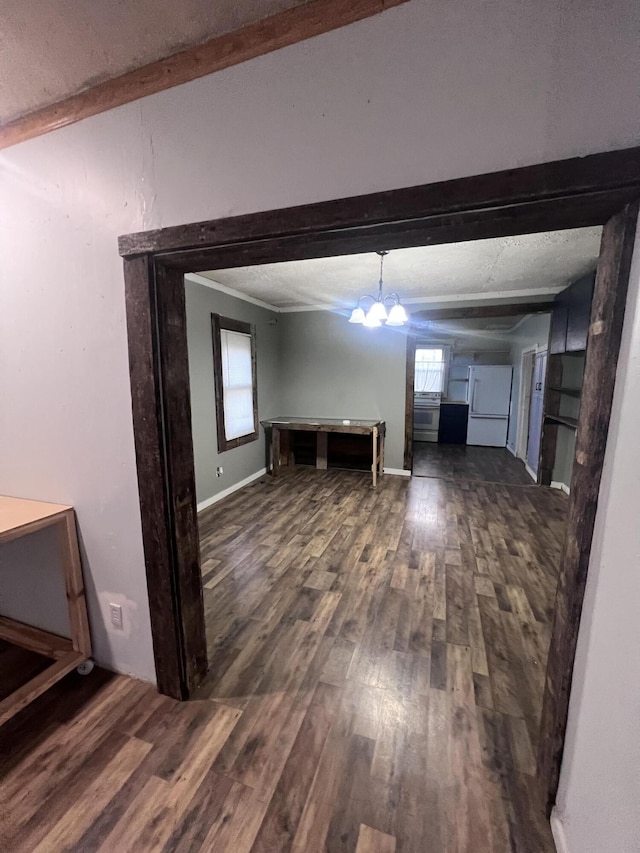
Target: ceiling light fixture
{"type": "Point", "coordinates": [377, 313]}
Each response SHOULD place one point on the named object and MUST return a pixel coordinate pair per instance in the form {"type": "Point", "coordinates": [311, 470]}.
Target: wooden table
{"type": "Point", "coordinates": [281, 428]}
{"type": "Point", "coordinates": [18, 518]}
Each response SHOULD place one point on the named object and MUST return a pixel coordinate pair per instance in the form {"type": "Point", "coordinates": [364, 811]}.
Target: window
{"type": "Point", "coordinates": [234, 370]}
{"type": "Point", "coordinates": [431, 369]}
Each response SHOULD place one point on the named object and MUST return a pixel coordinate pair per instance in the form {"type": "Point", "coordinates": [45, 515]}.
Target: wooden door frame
{"type": "Point", "coordinates": [600, 189]}
{"type": "Point", "coordinates": [524, 401]}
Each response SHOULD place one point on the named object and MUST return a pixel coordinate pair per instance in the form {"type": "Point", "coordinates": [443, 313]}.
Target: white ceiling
{"type": "Point", "coordinates": [50, 50]}
{"type": "Point", "coordinates": [529, 265]}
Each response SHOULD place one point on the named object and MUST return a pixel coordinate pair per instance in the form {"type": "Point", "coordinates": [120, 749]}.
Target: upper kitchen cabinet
{"type": "Point", "coordinates": [580, 295]}
{"type": "Point", "coordinates": [570, 317]}
{"type": "Point", "coordinates": [558, 327]}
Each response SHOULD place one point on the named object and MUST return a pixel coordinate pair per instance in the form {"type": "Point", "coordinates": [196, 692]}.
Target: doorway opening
{"type": "Point", "coordinates": [587, 191]}
{"type": "Point", "coordinates": [483, 409]}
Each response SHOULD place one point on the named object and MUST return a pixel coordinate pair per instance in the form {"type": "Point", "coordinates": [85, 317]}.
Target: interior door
{"type": "Point", "coordinates": [536, 410]}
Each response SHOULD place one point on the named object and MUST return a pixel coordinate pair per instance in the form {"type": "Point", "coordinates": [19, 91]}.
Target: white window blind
{"type": "Point", "coordinates": [237, 384]}
{"type": "Point", "coordinates": [430, 369]}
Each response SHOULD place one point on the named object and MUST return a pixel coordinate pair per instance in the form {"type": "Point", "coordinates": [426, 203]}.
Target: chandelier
{"type": "Point", "coordinates": [377, 313]}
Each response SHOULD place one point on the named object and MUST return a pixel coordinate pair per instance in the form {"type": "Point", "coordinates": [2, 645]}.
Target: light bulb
{"type": "Point", "coordinates": [378, 311]}
{"type": "Point", "coordinates": [371, 321]}
{"type": "Point", "coordinates": [357, 315]}
{"type": "Point", "coordinates": [397, 316]}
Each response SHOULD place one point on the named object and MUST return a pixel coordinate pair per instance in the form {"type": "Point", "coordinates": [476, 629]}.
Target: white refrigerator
{"type": "Point", "coordinates": [489, 397]}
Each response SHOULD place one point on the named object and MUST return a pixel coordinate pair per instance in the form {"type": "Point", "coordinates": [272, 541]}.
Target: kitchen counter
{"type": "Point", "coordinates": [454, 418]}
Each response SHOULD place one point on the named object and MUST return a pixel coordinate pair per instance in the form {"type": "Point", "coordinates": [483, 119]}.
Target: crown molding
{"type": "Point", "coordinates": [237, 294]}
{"type": "Point", "coordinates": [481, 296]}
{"type": "Point", "coordinates": [296, 309]}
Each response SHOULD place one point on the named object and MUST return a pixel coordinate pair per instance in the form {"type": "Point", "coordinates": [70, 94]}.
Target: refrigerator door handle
{"type": "Point", "coordinates": [472, 409]}
{"type": "Point", "coordinates": [484, 416]}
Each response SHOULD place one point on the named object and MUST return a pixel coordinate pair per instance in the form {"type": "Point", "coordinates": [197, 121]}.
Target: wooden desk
{"type": "Point", "coordinates": [18, 518]}
{"type": "Point", "coordinates": [282, 427]}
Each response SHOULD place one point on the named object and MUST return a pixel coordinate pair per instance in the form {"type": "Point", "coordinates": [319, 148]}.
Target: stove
{"type": "Point", "coordinates": [426, 416]}
{"type": "Point", "coordinates": [427, 399]}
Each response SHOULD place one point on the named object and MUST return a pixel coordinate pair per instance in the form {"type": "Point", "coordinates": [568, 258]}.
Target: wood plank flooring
{"type": "Point", "coordinates": [465, 462]}
{"type": "Point", "coordinates": [377, 667]}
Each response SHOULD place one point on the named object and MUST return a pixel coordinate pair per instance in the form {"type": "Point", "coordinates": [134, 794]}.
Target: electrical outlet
{"type": "Point", "coordinates": [116, 615]}
{"type": "Point", "coordinates": [219, 471]}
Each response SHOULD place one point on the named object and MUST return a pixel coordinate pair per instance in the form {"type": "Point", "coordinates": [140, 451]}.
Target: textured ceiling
{"type": "Point", "coordinates": [524, 265]}
{"type": "Point", "coordinates": [50, 50]}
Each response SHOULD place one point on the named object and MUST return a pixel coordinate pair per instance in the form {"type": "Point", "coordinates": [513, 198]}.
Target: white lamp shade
{"type": "Point", "coordinates": [371, 321]}
{"type": "Point", "coordinates": [397, 316]}
{"type": "Point", "coordinates": [378, 311]}
{"type": "Point", "coordinates": [357, 315]}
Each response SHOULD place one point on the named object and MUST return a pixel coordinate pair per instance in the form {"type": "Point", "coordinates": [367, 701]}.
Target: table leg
{"type": "Point", "coordinates": [321, 450]}
{"type": "Point", "coordinates": [275, 451]}
{"type": "Point", "coordinates": [374, 467]}
{"type": "Point", "coordinates": [381, 455]}
{"type": "Point", "coordinates": [74, 584]}
{"type": "Point", "coordinates": [286, 448]}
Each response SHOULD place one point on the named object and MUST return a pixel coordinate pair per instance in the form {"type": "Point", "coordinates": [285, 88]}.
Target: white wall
{"type": "Point", "coordinates": [65, 410]}
{"type": "Point", "coordinates": [466, 353]}
{"type": "Point", "coordinates": [422, 93]}
{"type": "Point", "coordinates": [598, 801]}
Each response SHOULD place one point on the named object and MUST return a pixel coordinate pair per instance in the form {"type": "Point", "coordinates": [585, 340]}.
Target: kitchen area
{"type": "Point", "coordinates": [463, 401]}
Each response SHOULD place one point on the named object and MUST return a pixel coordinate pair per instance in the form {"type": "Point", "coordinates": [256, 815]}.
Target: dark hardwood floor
{"type": "Point", "coordinates": [466, 462]}
{"type": "Point", "coordinates": [421, 612]}
{"type": "Point", "coordinates": [377, 663]}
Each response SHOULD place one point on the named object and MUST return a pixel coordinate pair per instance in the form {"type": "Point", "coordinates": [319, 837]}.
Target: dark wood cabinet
{"type": "Point", "coordinates": [579, 314]}
{"type": "Point", "coordinates": [568, 336]}
{"type": "Point", "coordinates": [558, 328]}
{"type": "Point", "coordinates": [454, 419]}
{"type": "Point", "coordinates": [571, 316]}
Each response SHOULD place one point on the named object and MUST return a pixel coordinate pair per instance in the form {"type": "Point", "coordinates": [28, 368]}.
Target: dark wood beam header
{"type": "Point", "coordinates": [280, 30]}
{"type": "Point", "coordinates": [513, 309]}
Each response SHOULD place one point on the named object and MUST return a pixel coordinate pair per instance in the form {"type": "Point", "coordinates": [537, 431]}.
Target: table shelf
{"type": "Point", "coordinates": [563, 420]}
{"type": "Point", "coordinates": [19, 517]}
{"type": "Point", "coordinates": [570, 392]}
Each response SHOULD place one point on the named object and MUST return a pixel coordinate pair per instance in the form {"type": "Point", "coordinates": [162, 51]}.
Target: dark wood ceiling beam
{"type": "Point", "coordinates": [478, 312]}
{"type": "Point", "coordinates": [280, 30]}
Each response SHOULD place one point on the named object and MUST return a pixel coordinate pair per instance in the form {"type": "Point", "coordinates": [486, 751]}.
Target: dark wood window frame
{"type": "Point", "coordinates": [218, 323]}
{"type": "Point", "coordinates": [600, 189]}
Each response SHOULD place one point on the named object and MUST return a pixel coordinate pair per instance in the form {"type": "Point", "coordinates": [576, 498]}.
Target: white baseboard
{"type": "Point", "coordinates": [397, 472]}
{"type": "Point", "coordinates": [512, 450]}
{"type": "Point", "coordinates": [557, 830]}
{"type": "Point", "coordinates": [225, 492]}
{"type": "Point", "coordinates": [531, 472]}
{"type": "Point", "coordinates": [562, 486]}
